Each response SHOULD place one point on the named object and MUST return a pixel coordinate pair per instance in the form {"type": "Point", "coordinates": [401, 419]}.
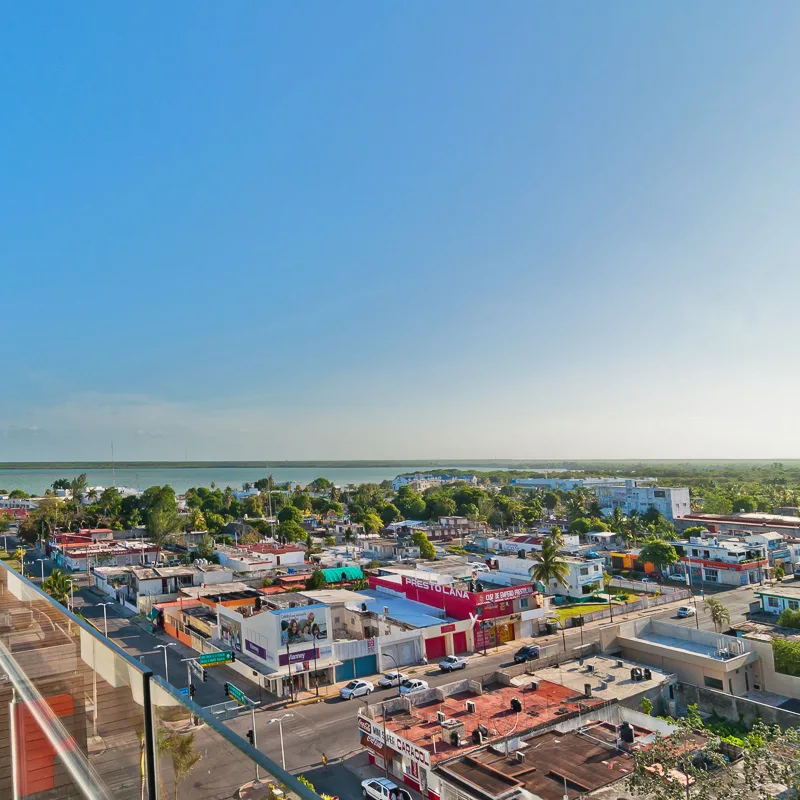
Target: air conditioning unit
{"type": "Point", "coordinates": [440, 717]}
{"type": "Point", "coordinates": [520, 756]}
{"type": "Point", "coordinates": [534, 685]}
{"type": "Point", "coordinates": [471, 707]}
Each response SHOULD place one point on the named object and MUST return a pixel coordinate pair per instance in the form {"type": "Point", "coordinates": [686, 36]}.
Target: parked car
{"type": "Point", "coordinates": [686, 611]}
{"type": "Point", "coordinates": [479, 566]}
{"type": "Point", "coordinates": [451, 663]}
{"type": "Point", "coordinates": [383, 789]}
{"type": "Point", "coordinates": [677, 576]}
{"type": "Point", "coordinates": [356, 689]}
{"type": "Point", "coordinates": [413, 685]}
{"type": "Point", "coordinates": [391, 679]}
{"type": "Point", "coordinates": [528, 653]}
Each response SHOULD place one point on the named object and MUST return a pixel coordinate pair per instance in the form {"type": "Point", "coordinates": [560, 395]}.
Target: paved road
{"type": "Point", "coordinates": [330, 726]}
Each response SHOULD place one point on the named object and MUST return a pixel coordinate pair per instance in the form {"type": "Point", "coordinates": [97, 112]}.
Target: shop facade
{"type": "Point", "coordinates": [401, 759]}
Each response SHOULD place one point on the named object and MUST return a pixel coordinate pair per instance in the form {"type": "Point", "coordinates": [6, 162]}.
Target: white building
{"type": "Point", "coordinates": [427, 480]}
{"type": "Point", "coordinates": [258, 559]}
{"type": "Point", "coordinates": [28, 503]}
{"type": "Point", "coordinates": [672, 502]}
{"type": "Point", "coordinates": [732, 563]}
{"type": "Point", "coordinates": [585, 574]}
{"type": "Point", "coordinates": [285, 647]}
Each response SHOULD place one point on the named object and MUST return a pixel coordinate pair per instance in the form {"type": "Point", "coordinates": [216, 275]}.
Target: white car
{"type": "Point", "coordinates": [356, 689]}
{"type": "Point", "coordinates": [686, 611]}
{"type": "Point", "coordinates": [452, 663]}
{"type": "Point", "coordinates": [383, 789]}
{"type": "Point", "coordinates": [392, 679]}
{"type": "Point", "coordinates": [677, 576]}
{"type": "Point", "coordinates": [413, 685]}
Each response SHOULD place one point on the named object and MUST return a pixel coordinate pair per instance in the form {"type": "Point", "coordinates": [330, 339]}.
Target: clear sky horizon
{"type": "Point", "coordinates": [359, 230]}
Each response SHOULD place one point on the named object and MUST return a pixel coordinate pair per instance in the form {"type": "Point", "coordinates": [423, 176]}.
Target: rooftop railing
{"type": "Point", "coordinates": [80, 718]}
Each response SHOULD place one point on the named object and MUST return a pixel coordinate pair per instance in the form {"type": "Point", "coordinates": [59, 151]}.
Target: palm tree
{"type": "Point", "coordinates": [556, 536]}
{"type": "Point", "coordinates": [635, 526]}
{"type": "Point", "coordinates": [163, 522]}
{"type": "Point", "coordinates": [550, 565]}
{"type": "Point", "coordinates": [78, 487]}
{"type": "Point", "coordinates": [720, 615]}
{"type": "Point", "coordinates": [181, 750]}
{"type": "Point", "coordinates": [19, 555]}
{"type": "Point", "coordinates": [617, 523]}
{"type": "Point", "coordinates": [57, 585]}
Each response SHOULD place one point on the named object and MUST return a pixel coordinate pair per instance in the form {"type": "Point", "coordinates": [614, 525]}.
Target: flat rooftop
{"type": "Point", "coordinates": [610, 678]}
{"type": "Point", "coordinates": [791, 591]}
{"type": "Point", "coordinates": [417, 615]}
{"type": "Point", "coordinates": [552, 761]}
{"type": "Point", "coordinates": [548, 704]}
{"type": "Point", "coordinates": [335, 596]}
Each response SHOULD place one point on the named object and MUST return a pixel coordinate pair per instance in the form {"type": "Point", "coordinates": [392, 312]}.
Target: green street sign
{"type": "Point", "coordinates": [235, 694]}
{"type": "Point", "coordinates": [212, 659]}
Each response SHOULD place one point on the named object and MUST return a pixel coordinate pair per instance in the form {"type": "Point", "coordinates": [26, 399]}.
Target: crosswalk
{"type": "Point", "coordinates": [309, 731]}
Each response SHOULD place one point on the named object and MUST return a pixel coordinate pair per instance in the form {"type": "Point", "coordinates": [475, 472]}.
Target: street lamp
{"type": "Point", "coordinates": [280, 720]}
{"type": "Point", "coordinates": [396, 670]}
{"type": "Point", "coordinates": [41, 560]}
{"type": "Point", "coordinates": [166, 665]}
{"type": "Point", "coordinates": [105, 618]}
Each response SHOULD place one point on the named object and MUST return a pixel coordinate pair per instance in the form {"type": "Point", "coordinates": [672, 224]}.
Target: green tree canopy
{"type": "Point", "coordinates": [316, 580]}
{"type": "Point", "coordinates": [290, 514]}
{"type": "Point", "coordinates": [426, 549]}
{"type": "Point", "coordinates": [660, 553]}
{"type": "Point", "coordinates": [410, 504]}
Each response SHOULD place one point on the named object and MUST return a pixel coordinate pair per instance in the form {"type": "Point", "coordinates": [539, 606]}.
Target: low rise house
{"type": "Point", "coordinates": [778, 598]}
{"type": "Point", "coordinates": [380, 549]}
{"type": "Point", "coordinates": [138, 588]}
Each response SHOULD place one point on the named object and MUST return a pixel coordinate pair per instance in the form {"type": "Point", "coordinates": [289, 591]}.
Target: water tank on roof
{"type": "Point", "coordinates": [626, 733]}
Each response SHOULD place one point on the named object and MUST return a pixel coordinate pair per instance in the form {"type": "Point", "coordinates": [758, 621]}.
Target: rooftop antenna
{"type": "Point", "coordinates": [113, 474]}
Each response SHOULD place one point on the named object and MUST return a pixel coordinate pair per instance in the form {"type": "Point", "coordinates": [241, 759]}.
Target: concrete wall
{"type": "Point", "coordinates": [770, 680]}
{"type": "Point", "coordinates": [735, 708]}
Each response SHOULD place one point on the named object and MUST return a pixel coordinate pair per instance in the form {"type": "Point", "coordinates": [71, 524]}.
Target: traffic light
{"type": "Point", "coordinates": [191, 691]}
{"type": "Point", "coordinates": [205, 677]}
{"type": "Point", "coordinates": [227, 690]}
{"type": "Point", "coordinates": [251, 738]}
{"type": "Point", "coordinates": [233, 656]}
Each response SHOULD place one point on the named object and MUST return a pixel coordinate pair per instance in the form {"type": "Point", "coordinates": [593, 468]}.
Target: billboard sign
{"type": "Point", "coordinates": [231, 633]}
{"type": "Point", "coordinates": [303, 624]}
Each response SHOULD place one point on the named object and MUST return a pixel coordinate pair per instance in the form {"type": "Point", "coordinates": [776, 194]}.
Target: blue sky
{"type": "Point", "coordinates": [411, 230]}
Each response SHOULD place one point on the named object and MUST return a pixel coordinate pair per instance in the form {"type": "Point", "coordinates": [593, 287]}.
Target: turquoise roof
{"type": "Point", "coordinates": [339, 574]}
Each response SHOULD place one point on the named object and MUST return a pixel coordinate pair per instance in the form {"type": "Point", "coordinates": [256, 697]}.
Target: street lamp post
{"type": "Point", "coordinates": [396, 670]}
{"type": "Point", "coordinates": [166, 664]}
{"type": "Point", "coordinates": [41, 561]}
{"type": "Point", "coordinates": [279, 720]}
{"type": "Point", "coordinates": [105, 618]}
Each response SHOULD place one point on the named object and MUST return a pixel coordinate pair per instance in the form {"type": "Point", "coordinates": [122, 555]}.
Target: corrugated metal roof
{"type": "Point", "coordinates": [335, 575]}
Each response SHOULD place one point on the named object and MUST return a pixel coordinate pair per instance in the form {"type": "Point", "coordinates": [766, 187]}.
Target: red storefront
{"type": "Point", "coordinates": [499, 605]}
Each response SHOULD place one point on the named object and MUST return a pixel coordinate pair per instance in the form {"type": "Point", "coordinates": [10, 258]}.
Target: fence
{"type": "Point", "coordinates": [620, 610]}
{"type": "Point", "coordinates": [645, 586]}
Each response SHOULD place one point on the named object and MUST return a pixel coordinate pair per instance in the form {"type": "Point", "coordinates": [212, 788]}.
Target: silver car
{"type": "Point", "coordinates": [356, 688]}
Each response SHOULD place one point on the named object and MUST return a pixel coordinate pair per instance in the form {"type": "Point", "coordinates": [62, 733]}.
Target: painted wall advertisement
{"type": "Point", "coordinates": [302, 624]}
{"type": "Point", "coordinates": [231, 633]}
{"type": "Point", "coordinates": [396, 743]}
{"type": "Point", "coordinates": [306, 656]}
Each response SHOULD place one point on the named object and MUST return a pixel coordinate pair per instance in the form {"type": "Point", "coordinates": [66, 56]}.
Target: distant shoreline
{"type": "Point", "coordinates": [457, 463]}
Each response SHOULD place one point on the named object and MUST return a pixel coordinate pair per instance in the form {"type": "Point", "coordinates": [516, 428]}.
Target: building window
{"type": "Point", "coordinates": [773, 602]}
{"type": "Point", "coordinates": [584, 570]}
{"type": "Point", "coordinates": [713, 683]}
{"type": "Point", "coordinates": [523, 603]}
{"type": "Point", "coordinates": [712, 575]}
{"type": "Point", "coordinates": [794, 605]}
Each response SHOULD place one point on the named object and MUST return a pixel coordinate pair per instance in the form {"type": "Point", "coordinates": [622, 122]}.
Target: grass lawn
{"type": "Point", "coordinates": [576, 611]}
{"type": "Point", "coordinates": [10, 560]}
